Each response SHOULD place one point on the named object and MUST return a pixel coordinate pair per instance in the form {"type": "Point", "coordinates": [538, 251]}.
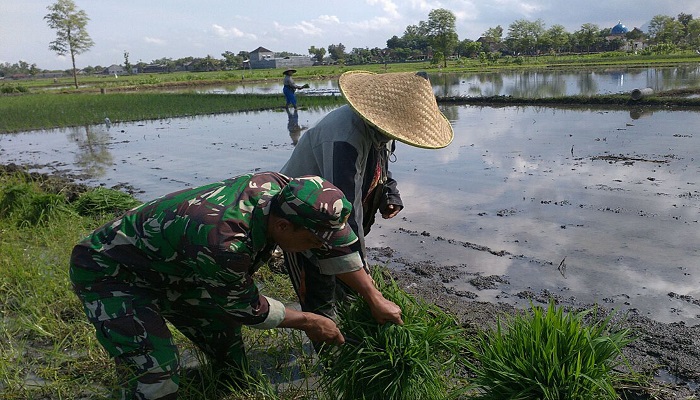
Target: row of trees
{"type": "Point", "coordinates": [435, 39]}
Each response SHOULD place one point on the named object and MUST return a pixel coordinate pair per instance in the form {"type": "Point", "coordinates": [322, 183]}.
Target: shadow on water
{"type": "Point", "coordinates": [613, 192]}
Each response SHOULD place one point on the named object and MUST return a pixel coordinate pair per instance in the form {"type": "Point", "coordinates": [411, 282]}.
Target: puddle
{"type": "Point", "coordinates": [586, 205]}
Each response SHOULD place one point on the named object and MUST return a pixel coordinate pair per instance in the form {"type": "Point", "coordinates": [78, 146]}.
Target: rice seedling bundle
{"type": "Point", "coordinates": [417, 360]}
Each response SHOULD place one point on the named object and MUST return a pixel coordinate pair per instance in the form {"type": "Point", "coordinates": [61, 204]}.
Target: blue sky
{"type": "Point", "coordinates": [150, 30]}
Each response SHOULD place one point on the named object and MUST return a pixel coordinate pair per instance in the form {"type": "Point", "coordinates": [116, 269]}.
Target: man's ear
{"type": "Point", "coordinates": [281, 225]}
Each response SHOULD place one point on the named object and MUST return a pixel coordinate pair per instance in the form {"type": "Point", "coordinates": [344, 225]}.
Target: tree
{"type": "Point", "coordinates": [587, 36]}
{"type": "Point", "coordinates": [494, 35]}
{"type": "Point", "coordinates": [693, 36]}
{"type": "Point", "coordinates": [442, 32]}
{"type": "Point", "coordinates": [665, 29]}
{"type": "Point", "coordinates": [557, 37]}
{"type": "Point", "coordinates": [337, 52]}
{"type": "Point", "coordinates": [127, 64]}
{"type": "Point", "coordinates": [71, 36]}
{"type": "Point", "coordinates": [524, 36]}
{"type": "Point", "coordinates": [318, 53]}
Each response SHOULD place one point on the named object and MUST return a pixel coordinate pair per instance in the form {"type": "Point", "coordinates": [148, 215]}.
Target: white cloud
{"type": "Point", "coordinates": [231, 32]}
{"type": "Point", "coordinates": [328, 19]}
{"type": "Point", "coordinates": [152, 40]}
{"type": "Point", "coordinates": [388, 6]}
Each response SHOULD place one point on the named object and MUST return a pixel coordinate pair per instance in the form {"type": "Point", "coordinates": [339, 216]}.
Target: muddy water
{"type": "Point", "coordinates": [586, 205]}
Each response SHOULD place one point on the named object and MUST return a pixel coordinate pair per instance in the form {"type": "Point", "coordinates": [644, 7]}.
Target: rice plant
{"type": "Point", "coordinates": [102, 201]}
{"type": "Point", "coordinates": [547, 355]}
{"type": "Point", "coordinates": [417, 360]}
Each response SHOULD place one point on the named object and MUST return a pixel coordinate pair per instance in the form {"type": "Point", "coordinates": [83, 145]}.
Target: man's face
{"type": "Point", "coordinates": [296, 240]}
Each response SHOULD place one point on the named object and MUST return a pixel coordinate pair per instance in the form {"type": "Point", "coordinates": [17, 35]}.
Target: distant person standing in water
{"type": "Point", "coordinates": [290, 88]}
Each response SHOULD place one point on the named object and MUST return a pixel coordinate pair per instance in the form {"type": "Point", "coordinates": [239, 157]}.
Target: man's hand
{"type": "Point", "coordinates": [322, 329]}
{"type": "Point", "coordinates": [317, 327]}
{"type": "Point", "coordinates": [383, 310]}
{"type": "Point", "coordinates": [391, 211]}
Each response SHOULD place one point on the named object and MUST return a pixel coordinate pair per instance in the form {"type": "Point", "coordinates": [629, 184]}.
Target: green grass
{"type": "Point", "coordinates": [547, 354]}
{"type": "Point", "coordinates": [50, 110]}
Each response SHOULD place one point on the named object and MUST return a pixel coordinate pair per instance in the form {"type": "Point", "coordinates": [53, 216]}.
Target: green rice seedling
{"type": "Point", "coordinates": [103, 201]}
{"type": "Point", "coordinates": [42, 207]}
{"type": "Point", "coordinates": [27, 205]}
{"type": "Point", "coordinates": [417, 360]}
{"type": "Point", "coordinates": [547, 355]}
{"type": "Point", "coordinates": [13, 198]}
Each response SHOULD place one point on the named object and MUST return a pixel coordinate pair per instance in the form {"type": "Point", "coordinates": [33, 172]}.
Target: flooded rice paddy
{"type": "Point", "coordinates": [528, 84]}
{"type": "Point", "coordinates": [587, 205]}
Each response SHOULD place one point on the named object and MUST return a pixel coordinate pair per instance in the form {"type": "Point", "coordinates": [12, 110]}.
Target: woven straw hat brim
{"type": "Point", "coordinates": [400, 105]}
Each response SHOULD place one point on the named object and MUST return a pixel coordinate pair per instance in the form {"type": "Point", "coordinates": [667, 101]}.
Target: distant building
{"type": "Point", "coordinates": [619, 32]}
{"type": "Point", "coordinates": [154, 68]}
{"type": "Point", "coordinates": [489, 44]}
{"type": "Point", "coordinates": [114, 69]}
{"type": "Point", "coordinates": [262, 58]}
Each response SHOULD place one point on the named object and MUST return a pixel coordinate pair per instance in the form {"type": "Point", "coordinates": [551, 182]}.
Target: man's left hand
{"type": "Point", "coordinates": [391, 211]}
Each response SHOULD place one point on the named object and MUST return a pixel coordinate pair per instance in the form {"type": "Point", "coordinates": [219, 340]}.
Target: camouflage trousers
{"type": "Point", "coordinates": [130, 316]}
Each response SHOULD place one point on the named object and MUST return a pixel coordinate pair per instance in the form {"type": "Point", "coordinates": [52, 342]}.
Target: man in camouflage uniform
{"type": "Point", "coordinates": [188, 257]}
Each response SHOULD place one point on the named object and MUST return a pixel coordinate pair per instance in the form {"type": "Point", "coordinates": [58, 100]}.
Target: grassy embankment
{"type": "Point", "coordinates": [140, 97]}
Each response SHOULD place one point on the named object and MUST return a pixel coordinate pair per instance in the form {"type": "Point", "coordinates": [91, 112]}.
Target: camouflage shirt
{"type": "Point", "coordinates": [201, 245]}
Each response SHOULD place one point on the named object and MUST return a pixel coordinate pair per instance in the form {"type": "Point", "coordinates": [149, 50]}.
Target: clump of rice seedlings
{"type": "Point", "coordinates": [417, 360]}
{"type": "Point", "coordinates": [13, 198]}
{"type": "Point", "coordinates": [102, 201]}
{"type": "Point", "coordinates": [27, 205]}
{"type": "Point", "coordinates": [547, 354]}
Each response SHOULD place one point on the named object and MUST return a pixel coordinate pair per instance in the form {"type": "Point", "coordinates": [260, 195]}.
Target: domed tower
{"type": "Point", "coordinates": [618, 30]}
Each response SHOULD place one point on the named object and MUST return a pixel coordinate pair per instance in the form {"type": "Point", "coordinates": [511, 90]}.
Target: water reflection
{"type": "Point", "coordinates": [539, 83]}
{"type": "Point", "coordinates": [93, 156]}
{"type": "Point", "coordinates": [293, 126]}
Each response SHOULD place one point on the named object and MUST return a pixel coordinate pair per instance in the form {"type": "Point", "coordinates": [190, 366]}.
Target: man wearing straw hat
{"type": "Point", "coordinates": [351, 147]}
{"type": "Point", "coordinates": [290, 88]}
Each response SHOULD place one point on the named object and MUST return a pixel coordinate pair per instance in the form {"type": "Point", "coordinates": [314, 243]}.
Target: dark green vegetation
{"type": "Point", "coordinates": [49, 110]}
{"type": "Point", "coordinates": [418, 360]}
{"type": "Point", "coordinates": [547, 354]}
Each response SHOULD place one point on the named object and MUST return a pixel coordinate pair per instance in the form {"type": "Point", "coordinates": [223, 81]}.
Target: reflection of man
{"type": "Point", "coordinates": [293, 126]}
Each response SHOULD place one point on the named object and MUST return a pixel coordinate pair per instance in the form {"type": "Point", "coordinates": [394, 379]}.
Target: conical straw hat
{"type": "Point", "coordinates": [400, 105]}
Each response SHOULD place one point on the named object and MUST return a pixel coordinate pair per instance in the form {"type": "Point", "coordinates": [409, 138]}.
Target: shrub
{"type": "Point", "coordinates": [414, 361]}
{"type": "Point", "coordinates": [547, 354]}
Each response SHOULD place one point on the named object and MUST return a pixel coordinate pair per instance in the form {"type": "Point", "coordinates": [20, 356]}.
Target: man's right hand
{"type": "Point", "coordinates": [317, 327]}
{"type": "Point", "coordinates": [322, 329]}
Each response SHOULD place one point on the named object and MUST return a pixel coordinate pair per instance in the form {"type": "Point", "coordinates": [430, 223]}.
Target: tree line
{"type": "Point", "coordinates": [435, 39]}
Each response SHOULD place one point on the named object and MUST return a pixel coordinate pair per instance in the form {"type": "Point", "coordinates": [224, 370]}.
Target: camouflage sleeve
{"type": "Point", "coordinates": [226, 277]}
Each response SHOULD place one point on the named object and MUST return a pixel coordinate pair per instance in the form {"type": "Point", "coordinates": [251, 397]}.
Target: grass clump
{"type": "Point", "coordinates": [418, 360]}
{"type": "Point", "coordinates": [102, 201]}
{"type": "Point", "coordinates": [547, 355]}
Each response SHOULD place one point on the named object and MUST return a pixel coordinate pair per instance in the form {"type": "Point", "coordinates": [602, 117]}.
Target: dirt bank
{"type": "Point", "coordinates": [669, 352]}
